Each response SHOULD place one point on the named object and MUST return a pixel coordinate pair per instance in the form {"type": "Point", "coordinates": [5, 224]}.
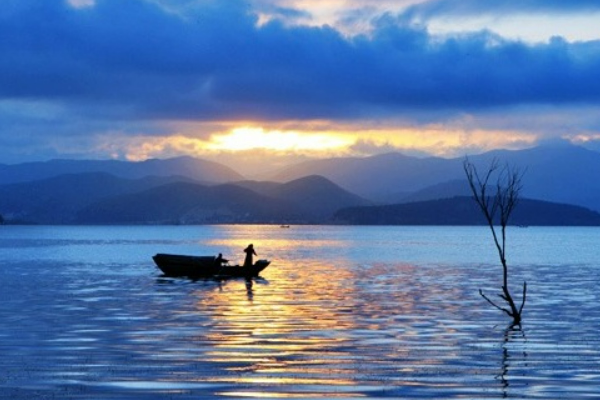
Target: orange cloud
{"type": "Point", "coordinates": [320, 139]}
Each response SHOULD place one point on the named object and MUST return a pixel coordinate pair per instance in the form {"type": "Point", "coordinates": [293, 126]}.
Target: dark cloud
{"type": "Point", "coordinates": [139, 60]}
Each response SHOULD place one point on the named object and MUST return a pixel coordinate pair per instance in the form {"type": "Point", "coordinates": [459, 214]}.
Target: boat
{"type": "Point", "coordinates": [235, 271]}
{"type": "Point", "coordinates": [204, 266]}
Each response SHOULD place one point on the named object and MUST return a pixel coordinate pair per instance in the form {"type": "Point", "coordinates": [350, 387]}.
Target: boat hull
{"type": "Point", "coordinates": [203, 266]}
{"type": "Point", "coordinates": [232, 271]}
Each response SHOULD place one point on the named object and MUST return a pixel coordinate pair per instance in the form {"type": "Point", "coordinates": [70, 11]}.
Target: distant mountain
{"type": "Point", "coordinates": [563, 173]}
{"type": "Point", "coordinates": [312, 195]}
{"type": "Point", "coordinates": [444, 190]}
{"type": "Point", "coordinates": [197, 169]}
{"type": "Point", "coordinates": [186, 203]}
{"type": "Point", "coordinates": [187, 190]}
{"type": "Point", "coordinates": [101, 198]}
{"type": "Point", "coordinates": [56, 200]}
{"type": "Point", "coordinates": [464, 211]}
{"type": "Point", "coordinates": [560, 173]}
{"type": "Point", "coordinates": [381, 178]}
{"type": "Point", "coordinates": [307, 200]}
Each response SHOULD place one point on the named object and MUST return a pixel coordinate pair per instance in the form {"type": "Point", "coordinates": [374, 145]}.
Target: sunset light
{"type": "Point", "coordinates": [293, 199]}
{"type": "Point", "coordinates": [248, 138]}
{"type": "Point", "coordinates": [333, 140]}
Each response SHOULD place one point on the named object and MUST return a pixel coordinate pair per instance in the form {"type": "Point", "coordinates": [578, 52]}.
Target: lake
{"type": "Point", "coordinates": [341, 313]}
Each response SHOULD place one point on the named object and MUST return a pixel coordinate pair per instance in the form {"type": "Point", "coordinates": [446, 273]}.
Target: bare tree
{"type": "Point", "coordinates": [497, 194]}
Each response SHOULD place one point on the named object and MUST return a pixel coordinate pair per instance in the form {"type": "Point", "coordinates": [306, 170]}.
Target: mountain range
{"type": "Point", "coordinates": [197, 169]}
{"type": "Point", "coordinates": [101, 198]}
{"type": "Point", "coordinates": [186, 190]}
{"type": "Point", "coordinates": [462, 210]}
{"type": "Point", "coordinates": [560, 173]}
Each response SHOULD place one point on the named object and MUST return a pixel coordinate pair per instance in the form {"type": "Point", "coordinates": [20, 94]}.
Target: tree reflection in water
{"type": "Point", "coordinates": [514, 337]}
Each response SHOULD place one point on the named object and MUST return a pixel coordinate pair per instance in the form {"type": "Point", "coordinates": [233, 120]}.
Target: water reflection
{"type": "Point", "coordinates": [512, 356]}
{"type": "Point", "coordinates": [280, 334]}
{"type": "Point", "coordinates": [306, 331]}
{"type": "Point", "coordinates": [334, 316]}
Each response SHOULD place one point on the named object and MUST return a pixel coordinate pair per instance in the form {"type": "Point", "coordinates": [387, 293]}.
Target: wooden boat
{"type": "Point", "coordinates": [204, 266]}
{"type": "Point", "coordinates": [230, 271]}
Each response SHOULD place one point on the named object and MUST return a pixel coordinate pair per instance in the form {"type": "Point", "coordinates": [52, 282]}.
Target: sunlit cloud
{"type": "Point", "coordinates": [585, 138]}
{"type": "Point", "coordinates": [350, 17]}
{"type": "Point", "coordinates": [81, 3]}
{"type": "Point", "coordinates": [244, 142]}
{"type": "Point", "coordinates": [247, 138]}
{"type": "Point", "coordinates": [241, 139]}
{"type": "Point", "coordinates": [526, 27]}
{"type": "Point", "coordinates": [534, 21]}
{"type": "Point", "coordinates": [142, 147]}
{"type": "Point", "coordinates": [438, 140]}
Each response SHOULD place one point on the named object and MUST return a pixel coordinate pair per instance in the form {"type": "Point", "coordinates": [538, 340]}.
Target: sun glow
{"type": "Point", "coordinates": [250, 142]}
{"type": "Point", "coordinates": [249, 138]}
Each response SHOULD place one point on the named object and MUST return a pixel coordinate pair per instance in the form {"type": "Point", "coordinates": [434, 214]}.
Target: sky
{"type": "Point", "coordinates": [285, 80]}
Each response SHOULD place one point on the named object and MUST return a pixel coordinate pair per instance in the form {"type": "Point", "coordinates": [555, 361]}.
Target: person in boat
{"type": "Point", "coordinates": [219, 261]}
{"type": "Point", "coordinates": [248, 262]}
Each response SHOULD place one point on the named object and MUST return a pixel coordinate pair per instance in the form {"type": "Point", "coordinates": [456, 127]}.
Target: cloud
{"type": "Point", "coordinates": [432, 8]}
{"type": "Point", "coordinates": [528, 20]}
{"type": "Point", "coordinates": [124, 64]}
{"type": "Point", "coordinates": [81, 3]}
{"type": "Point", "coordinates": [217, 63]}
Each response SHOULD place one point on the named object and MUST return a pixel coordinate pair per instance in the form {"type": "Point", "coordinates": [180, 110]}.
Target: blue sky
{"type": "Point", "coordinates": [159, 78]}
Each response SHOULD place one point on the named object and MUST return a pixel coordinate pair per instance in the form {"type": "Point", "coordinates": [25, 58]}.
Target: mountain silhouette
{"type": "Point", "coordinates": [312, 195]}
{"type": "Point", "coordinates": [101, 198]}
{"type": "Point", "coordinates": [464, 211]}
{"type": "Point", "coordinates": [186, 203]}
{"type": "Point", "coordinates": [306, 200]}
{"type": "Point", "coordinates": [197, 169]}
{"type": "Point", "coordinates": [187, 190]}
{"type": "Point", "coordinates": [56, 200]}
{"type": "Point", "coordinates": [558, 173]}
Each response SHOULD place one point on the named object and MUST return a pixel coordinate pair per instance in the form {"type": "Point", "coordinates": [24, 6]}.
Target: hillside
{"type": "Point", "coordinates": [140, 192]}
{"type": "Point", "coordinates": [312, 195]}
{"type": "Point", "coordinates": [101, 198]}
{"type": "Point", "coordinates": [306, 200]}
{"type": "Point", "coordinates": [396, 174]}
{"type": "Point", "coordinates": [56, 200]}
{"type": "Point", "coordinates": [186, 203]}
{"type": "Point", "coordinates": [193, 168]}
{"type": "Point", "coordinates": [558, 173]}
{"type": "Point", "coordinates": [464, 211]}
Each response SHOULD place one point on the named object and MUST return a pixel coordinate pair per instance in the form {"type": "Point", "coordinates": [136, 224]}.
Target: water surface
{"type": "Point", "coordinates": [342, 312]}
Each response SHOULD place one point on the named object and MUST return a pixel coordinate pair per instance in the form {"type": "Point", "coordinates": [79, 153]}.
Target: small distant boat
{"type": "Point", "coordinates": [204, 266]}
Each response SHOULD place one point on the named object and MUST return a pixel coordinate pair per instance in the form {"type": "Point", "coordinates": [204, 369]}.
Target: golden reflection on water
{"type": "Point", "coordinates": [274, 243]}
{"type": "Point", "coordinates": [287, 395]}
{"type": "Point", "coordinates": [313, 327]}
{"type": "Point", "coordinates": [279, 332]}
{"type": "Point", "coordinates": [309, 326]}
{"type": "Point", "coordinates": [310, 323]}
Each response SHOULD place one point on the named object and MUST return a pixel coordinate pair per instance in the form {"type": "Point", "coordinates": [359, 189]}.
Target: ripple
{"type": "Point", "coordinates": [312, 328]}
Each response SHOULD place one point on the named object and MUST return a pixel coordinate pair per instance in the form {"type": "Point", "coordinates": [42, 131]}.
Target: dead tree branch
{"type": "Point", "coordinates": [497, 208]}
